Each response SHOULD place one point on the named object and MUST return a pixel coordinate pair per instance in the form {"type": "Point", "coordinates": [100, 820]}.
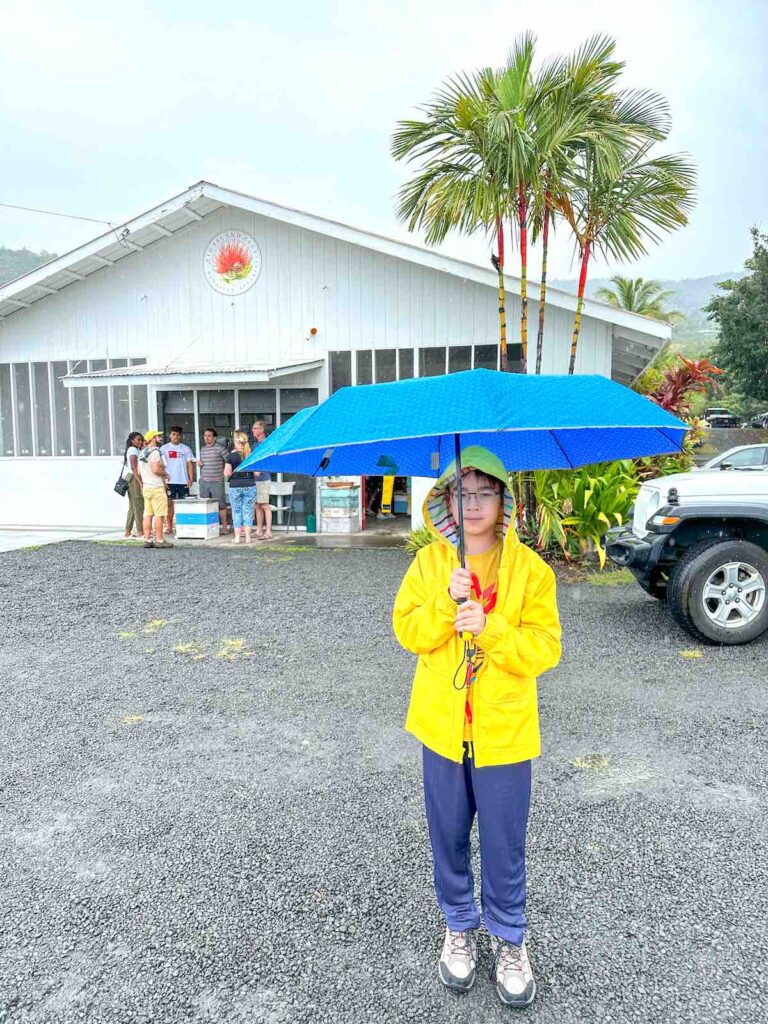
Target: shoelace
{"type": "Point", "coordinates": [459, 944]}
{"type": "Point", "coordinates": [510, 958]}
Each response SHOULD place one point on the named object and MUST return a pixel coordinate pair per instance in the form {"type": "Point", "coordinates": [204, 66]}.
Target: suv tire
{"type": "Point", "coordinates": [706, 599]}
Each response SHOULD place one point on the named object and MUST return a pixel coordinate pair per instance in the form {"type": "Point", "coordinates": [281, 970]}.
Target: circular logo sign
{"type": "Point", "coordinates": [232, 262]}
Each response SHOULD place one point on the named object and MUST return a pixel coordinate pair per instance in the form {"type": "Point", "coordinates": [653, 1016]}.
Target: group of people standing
{"type": "Point", "coordinates": [158, 474]}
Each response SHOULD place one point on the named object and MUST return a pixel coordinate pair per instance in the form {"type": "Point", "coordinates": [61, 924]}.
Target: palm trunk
{"type": "Point", "coordinates": [523, 278]}
{"type": "Point", "coordinates": [502, 295]}
{"type": "Point", "coordinates": [579, 305]}
{"type": "Point", "coordinates": [543, 289]}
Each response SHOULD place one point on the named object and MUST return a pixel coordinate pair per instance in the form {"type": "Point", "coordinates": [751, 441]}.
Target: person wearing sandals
{"type": "Point", "coordinates": [242, 488]}
{"type": "Point", "coordinates": [482, 634]}
{"type": "Point", "coordinates": [134, 521]}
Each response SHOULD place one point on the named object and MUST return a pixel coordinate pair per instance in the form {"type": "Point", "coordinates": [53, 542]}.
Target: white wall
{"type": "Point", "coordinates": [157, 304]}
{"type": "Point", "coordinates": [61, 492]}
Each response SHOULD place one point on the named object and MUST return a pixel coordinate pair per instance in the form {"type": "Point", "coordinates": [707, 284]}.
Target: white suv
{"type": "Point", "coordinates": [699, 540]}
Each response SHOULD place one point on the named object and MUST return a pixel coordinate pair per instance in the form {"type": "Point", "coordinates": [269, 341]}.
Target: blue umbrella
{"type": "Point", "coordinates": [418, 427]}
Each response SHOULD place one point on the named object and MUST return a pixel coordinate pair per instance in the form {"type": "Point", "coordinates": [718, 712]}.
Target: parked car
{"type": "Point", "coordinates": [699, 540]}
{"type": "Point", "coordinates": [723, 421]}
{"type": "Point", "coordinates": [743, 456]}
{"type": "Point", "coordinates": [759, 422]}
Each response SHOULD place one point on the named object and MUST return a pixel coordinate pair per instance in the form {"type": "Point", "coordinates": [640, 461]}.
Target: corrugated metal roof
{"type": "Point", "coordinates": [262, 371]}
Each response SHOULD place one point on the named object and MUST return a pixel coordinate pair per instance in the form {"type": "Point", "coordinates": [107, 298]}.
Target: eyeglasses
{"type": "Point", "coordinates": [482, 498]}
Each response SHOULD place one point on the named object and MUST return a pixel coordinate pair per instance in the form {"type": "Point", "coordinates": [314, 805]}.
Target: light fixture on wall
{"type": "Point", "coordinates": [312, 334]}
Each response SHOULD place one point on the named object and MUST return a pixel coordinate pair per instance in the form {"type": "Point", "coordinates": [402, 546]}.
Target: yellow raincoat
{"type": "Point", "coordinates": [521, 639]}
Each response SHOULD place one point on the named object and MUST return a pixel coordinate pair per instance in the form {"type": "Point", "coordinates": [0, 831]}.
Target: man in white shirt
{"type": "Point", "coordinates": [180, 464]}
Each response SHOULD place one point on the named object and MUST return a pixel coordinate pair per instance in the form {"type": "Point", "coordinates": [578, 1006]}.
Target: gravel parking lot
{"type": "Point", "coordinates": [210, 811]}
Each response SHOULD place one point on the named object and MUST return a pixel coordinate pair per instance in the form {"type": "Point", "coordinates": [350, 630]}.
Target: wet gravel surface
{"type": "Point", "coordinates": [209, 810]}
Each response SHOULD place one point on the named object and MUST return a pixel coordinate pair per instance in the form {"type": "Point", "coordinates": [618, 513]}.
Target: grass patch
{"type": "Point", "coordinates": [195, 651]}
{"type": "Point", "coordinates": [616, 578]}
{"type": "Point", "coordinates": [132, 719]}
{"type": "Point", "coordinates": [31, 547]}
{"type": "Point", "coordinates": [692, 654]}
{"type": "Point", "coordinates": [592, 763]}
{"type": "Point", "coordinates": [232, 649]}
{"type": "Point", "coordinates": [124, 634]}
{"type": "Point", "coordinates": [124, 543]}
{"type": "Point", "coordinates": [154, 625]}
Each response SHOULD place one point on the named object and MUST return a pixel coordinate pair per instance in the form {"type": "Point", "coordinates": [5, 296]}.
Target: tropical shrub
{"type": "Point", "coordinates": [419, 538]}
{"type": "Point", "coordinates": [600, 497]}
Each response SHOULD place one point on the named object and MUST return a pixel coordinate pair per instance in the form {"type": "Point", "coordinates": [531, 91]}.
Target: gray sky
{"type": "Point", "coordinates": [106, 113]}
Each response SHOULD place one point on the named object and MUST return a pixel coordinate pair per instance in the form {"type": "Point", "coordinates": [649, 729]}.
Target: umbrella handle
{"type": "Point", "coordinates": [465, 637]}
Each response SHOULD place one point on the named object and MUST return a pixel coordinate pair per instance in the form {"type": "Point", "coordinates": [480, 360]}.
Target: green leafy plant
{"type": "Point", "coordinates": [600, 498]}
{"type": "Point", "coordinates": [419, 538]}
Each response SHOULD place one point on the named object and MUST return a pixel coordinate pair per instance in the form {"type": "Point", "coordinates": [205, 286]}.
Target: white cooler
{"type": "Point", "coordinates": [196, 518]}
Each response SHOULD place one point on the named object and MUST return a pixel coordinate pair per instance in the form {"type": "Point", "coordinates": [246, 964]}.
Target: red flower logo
{"type": "Point", "coordinates": [233, 261]}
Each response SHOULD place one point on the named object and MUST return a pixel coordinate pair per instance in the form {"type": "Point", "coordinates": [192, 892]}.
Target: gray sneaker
{"type": "Point", "coordinates": [149, 543]}
{"type": "Point", "coordinates": [458, 960]}
{"type": "Point", "coordinates": [512, 973]}
{"type": "Point", "coordinates": [163, 544]}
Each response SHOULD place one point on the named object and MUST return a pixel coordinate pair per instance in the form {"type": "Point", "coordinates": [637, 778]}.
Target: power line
{"type": "Point", "coordinates": [54, 213]}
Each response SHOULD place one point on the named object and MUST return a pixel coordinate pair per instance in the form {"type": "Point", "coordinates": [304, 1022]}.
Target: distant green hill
{"type": "Point", "coordinates": [15, 262]}
{"type": "Point", "coordinates": [693, 335]}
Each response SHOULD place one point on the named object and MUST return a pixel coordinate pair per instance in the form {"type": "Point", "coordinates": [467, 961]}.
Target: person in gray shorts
{"type": "Point", "coordinates": [211, 463]}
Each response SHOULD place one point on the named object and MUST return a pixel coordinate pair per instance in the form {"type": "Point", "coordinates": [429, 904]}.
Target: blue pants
{"type": "Point", "coordinates": [500, 796]}
{"type": "Point", "coordinates": [241, 499]}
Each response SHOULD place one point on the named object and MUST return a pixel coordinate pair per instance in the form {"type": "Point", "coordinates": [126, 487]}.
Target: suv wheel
{"type": "Point", "coordinates": [718, 592]}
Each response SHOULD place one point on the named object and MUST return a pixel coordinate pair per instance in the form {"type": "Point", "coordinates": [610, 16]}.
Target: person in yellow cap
{"type": "Point", "coordinates": [154, 479]}
{"type": "Point", "coordinates": [482, 634]}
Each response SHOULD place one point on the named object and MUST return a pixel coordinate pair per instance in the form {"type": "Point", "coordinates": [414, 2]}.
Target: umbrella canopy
{"type": "Point", "coordinates": [414, 427]}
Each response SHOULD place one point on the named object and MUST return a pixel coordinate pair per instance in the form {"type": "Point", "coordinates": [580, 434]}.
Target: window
{"type": "Point", "coordinates": [121, 417]}
{"type": "Point", "coordinates": [431, 362]}
{"type": "Point", "coordinates": [405, 359]}
{"type": "Point", "coordinates": [82, 409]}
{"type": "Point", "coordinates": [292, 400]}
{"type": "Point", "coordinates": [747, 457]}
{"type": "Point", "coordinates": [177, 409]}
{"type": "Point", "coordinates": [257, 404]}
{"type": "Point", "coordinates": [117, 364]}
{"type": "Point", "coordinates": [459, 358]}
{"type": "Point", "coordinates": [101, 440]}
{"type": "Point", "coordinates": [341, 370]}
{"type": "Point", "coordinates": [386, 365]}
{"type": "Point", "coordinates": [487, 357]}
{"type": "Point", "coordinates": [61, 400]}
{"type": "Point", "coordinates": [139, 408]}
{"type": "Point", "coordinates": [365, 366]}
{"type": "Point", "coordinates": [6, 411]}
{"type": "Point", "coordinates": [44, 437]}
{"type": "Point", "coordinates": [23, 409]}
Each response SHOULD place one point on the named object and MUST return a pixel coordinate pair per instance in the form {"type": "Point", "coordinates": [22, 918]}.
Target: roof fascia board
{"type": "Point", "coordinates": [62, 263]}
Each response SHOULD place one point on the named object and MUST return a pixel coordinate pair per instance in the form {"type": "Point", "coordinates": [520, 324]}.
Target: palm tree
{"type": "Point", "coordinates": [619, 213]}
{"type": "Point", "coordinates": [567, 119]}
{"type": "Point", "coordinates": [636, 295]}
{"type": "Point", "coordinates": [461, 186]}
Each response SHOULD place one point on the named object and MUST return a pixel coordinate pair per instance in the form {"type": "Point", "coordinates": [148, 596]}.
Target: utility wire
{"type": "Point", "coordinates": [54, 213]}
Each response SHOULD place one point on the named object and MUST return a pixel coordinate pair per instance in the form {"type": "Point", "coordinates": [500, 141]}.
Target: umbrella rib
{"type": "Point", "coordinates": [565, 454]}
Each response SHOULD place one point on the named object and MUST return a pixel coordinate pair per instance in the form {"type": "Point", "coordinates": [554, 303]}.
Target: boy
{"type": "Point", "coordinates": [474, 708]}
{"type": "Point", "coordinates": [179, 462]}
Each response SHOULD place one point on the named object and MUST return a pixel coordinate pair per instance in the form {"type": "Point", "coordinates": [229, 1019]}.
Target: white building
{"type": "Point", "coordinates": [158, 322]}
